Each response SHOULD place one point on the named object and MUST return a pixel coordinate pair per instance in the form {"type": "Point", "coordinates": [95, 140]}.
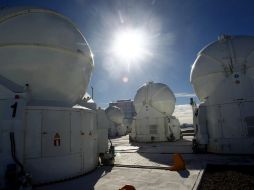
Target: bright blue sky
{"type": "Point", "coordinates": [176, 30]}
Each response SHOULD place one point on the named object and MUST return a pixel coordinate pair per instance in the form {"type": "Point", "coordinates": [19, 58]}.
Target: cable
{"type": "Point", "coordinates": [138, 166]}
{"type": "Point", "coordinates": [13, 153]}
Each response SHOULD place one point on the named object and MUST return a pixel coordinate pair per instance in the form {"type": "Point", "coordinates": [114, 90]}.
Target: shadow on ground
{"type": "Point", "coordinates": [86, 182]}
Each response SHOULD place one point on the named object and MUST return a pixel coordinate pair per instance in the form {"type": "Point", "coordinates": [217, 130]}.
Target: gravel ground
{"type": "Point", "coordinates": [228, 178]}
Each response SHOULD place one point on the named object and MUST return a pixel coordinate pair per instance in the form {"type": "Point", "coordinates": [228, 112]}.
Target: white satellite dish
{"type": "Point", "coordinates": [45, 50]}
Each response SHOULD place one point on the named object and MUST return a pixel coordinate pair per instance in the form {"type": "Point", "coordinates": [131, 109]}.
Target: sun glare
{"type": "Point", "coordinates": [130, 45]}
{"type": "Point", "coordinates": [125, 79]}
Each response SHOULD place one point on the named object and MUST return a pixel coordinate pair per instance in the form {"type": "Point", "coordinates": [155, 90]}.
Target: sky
{"type": "Point", "coordinates": [173, 32]}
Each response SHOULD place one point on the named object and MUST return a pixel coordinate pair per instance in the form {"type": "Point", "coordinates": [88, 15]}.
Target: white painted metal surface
{"type": "Point", "coordinates": [222, 77]}
{"type": "Point", "coordinates": [157, 95]}
{"type": "Point", "coordinates": [128, 111]}
{"type": "Point", "coordinates": [49, 158]}
{"type": "Point", "coordinates": [223, 71]}
{"type": "Point", "coordinates": [45, 50]}
{"type": "Point", "coordinates": [8, 124]}
{"type": "Point", "coordinates": [112, 130]}
{"type": "Point", "coordinates": [154, 103]}
{"type": "Point", "coordinates": [117, 128]}
{"type": "Point", "coordinates": [103, 124]}
{"type": "Point", "coordinates": [54, 140]}
{"type": "Point", "coordinates": [115, 114]}
{"type": "Point", "coordinates": [127, 123]}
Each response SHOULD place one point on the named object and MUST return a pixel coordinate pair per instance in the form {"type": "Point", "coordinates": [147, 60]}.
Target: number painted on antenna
{"type": "Point", "coordinates": [14, 109]}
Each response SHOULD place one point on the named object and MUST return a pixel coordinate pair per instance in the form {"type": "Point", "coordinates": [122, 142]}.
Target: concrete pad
{"type": "Point", "coordinates": [182, 146]}
{"type": "Point", "coordinates": [150, 154]}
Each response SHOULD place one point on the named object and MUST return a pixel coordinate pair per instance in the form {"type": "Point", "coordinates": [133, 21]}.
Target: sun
{"type": "Point", "coordinates": [129, 45]}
